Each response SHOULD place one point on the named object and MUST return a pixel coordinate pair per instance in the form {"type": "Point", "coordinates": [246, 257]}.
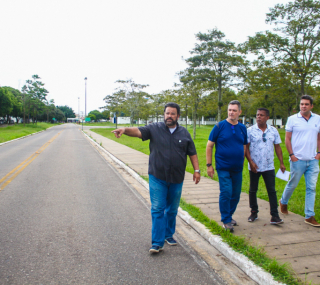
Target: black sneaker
{"type": "Point", "coordinates": [234, 222]}
{"type": "Point", "coordinates": [276, 221]}
{"type": "Point", "coordinates": [253, 217]}
{"type": "Point", "coordinates": [155, 249]}
{"type": "Point", "coordinates": [228, 227]}
{"type": "Point", "coordinates": [171, 241]}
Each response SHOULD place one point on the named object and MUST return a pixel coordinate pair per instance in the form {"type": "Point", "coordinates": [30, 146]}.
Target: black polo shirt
{"type": "Point", "coordinates": [168, 152]}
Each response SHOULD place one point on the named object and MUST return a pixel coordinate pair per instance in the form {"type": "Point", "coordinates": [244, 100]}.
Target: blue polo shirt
{"type": "Point", "coordinates": [229, 145]}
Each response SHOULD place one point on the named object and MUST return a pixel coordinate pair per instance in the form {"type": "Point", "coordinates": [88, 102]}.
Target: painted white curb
{"type": "Point", "coordinates": [255, 272]}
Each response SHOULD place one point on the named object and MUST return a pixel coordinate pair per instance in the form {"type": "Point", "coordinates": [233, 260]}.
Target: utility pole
{"type": "Point", "coordinates": [85, 95]}
{"type": "Point", "coordinates": [219, 94]}
{"type": "Point", "coordinates": [79, 109]}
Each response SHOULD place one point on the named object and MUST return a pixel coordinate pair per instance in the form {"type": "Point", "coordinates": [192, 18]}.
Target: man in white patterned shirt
{"type": "Point", "coordinates": [262, 140]}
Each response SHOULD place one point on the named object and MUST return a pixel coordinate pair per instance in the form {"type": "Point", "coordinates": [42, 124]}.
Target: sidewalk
{"type": "Point", "coordinates": [293, 241]}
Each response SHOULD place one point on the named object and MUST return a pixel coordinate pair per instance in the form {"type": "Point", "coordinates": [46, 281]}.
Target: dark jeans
{"type": "Point", "coordinates": [230, 183]}
{"type": "Point", "coordinates": [269, 178]}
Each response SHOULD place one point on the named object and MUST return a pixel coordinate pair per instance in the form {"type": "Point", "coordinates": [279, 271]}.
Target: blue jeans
{"type": "Point", "coordinates": [230, 189]}
{"type": "Point", "coordinates": [310, 169]}
{"type": "Point", "coordinates": [165, 199]}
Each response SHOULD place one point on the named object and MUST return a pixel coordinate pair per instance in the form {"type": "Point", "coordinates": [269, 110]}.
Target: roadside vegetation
{"type": "Point", "coordinates": [281, 272]}
{"type": "Point", "coordinates": [11, 132]}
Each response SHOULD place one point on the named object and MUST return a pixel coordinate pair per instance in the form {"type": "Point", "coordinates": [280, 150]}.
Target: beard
{"type": "Point", "coordinates": [170, 122]}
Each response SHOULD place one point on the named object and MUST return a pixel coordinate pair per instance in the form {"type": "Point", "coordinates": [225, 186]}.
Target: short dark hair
{"type": "Point", "coordinates": [266, 110]}
{"type": "Point", "coordinates": [307, 97]}
{"type": "Point", "coordinates": [235, 102]}
{"type": "Point", "coordinates": [172, 105]}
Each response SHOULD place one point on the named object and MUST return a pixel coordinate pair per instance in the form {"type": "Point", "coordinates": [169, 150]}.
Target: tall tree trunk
{"type": "Point", "coordinates": [194, 115]}
{"type": "Point", "coordinates": [302, 86]}
{"type": "Point", "coordinates": [186, 116]}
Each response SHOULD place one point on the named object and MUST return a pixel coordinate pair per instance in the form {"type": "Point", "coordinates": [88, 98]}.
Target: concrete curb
{"type": "Point", "coordinates": [255, 272]}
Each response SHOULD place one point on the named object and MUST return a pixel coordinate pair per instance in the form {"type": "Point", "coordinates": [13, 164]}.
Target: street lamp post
{"type": "Point", "coordinates": [219, 94]}
{"type": "Point", "coordinates": [79, 109]}
{"type": "Point", "coordinates": [85, 95]}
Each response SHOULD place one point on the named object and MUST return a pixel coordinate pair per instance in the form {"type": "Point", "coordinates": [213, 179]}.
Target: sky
{"type": "Point", "coordinates": [106, 40]}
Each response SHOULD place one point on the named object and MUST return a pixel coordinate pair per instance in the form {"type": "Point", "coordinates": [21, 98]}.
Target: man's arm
{"type": "Point", "coordinates": [195, 164]}
{"type": "Point", "coordinates": [209, 151]}
{"type": "Point", "coordinates": [289, 146]}
{"type": "Point", "coordinates": [318, 154]}
{"type": "Point", "coordinates": [131, 132]}
{"type": "Point", "coordinates": [253, 166]}
{"type": "Point", "coordinates": [280, 157]}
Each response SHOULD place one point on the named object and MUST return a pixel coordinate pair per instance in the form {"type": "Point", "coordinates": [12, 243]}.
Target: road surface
{"type": "Point", "coordinates": [68, 217]}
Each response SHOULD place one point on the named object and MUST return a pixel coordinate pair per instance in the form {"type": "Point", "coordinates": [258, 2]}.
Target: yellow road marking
{"type": "Point", "coordinates": [14, 172]}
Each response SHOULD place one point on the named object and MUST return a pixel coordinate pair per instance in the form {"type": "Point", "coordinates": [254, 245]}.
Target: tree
{"type": "Point", "coordinates": [36, 92]}
{"type": "Point", "coordinates": [96, 114]}
{"type": "Point", "coordinates": [194, 86]}
{"type": "Point", "coordinates": [218, 58]}
{"type": "Point", "coordinates": [67, 111]}
{"type": "Point", "coordinates": [134, 97]}
{"type": "Point", "coordinates": [50, 107]}
{"type": "Point", "coordinates": [114, 102]}
{"type": "Point", "coordinates": [157, 105]}
{"type": "Point", "coordinates": [105, 114]}
{"type": "Point", "coordinates": [16, 98]}
{"type": "Point", "coordinates": [6, 104]}
{"type": "Point", "coordinates": [59, 115]}
{"type": "Point", "coordinates": [92, 116]}
{"type": "Point", "coordinates": [295, 41]}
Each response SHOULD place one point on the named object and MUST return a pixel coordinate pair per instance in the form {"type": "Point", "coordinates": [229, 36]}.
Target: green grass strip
{"type": "Point", "coordinates": [11, 132]}
{"type": "Point", "coordinates": [281, 272]}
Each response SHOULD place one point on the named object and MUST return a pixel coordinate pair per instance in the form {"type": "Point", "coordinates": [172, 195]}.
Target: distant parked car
{"type": "Point", "coordinates": [1, 122]}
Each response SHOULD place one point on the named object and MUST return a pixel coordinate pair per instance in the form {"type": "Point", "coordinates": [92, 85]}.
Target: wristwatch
{"type": "Point", "coordinates": [198, 170]}
{"type": "Point", "coordinates": [209, 164]}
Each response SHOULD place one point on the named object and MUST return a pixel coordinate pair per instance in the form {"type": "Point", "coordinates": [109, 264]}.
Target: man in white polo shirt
{"type": "Point", "coordinates": [302, 142]}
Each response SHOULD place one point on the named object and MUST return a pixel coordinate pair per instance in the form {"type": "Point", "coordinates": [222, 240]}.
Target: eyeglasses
{"type": "Point", "coordinates": [264, 137]}
{"type": "Point", "coordinates": [232, 127]}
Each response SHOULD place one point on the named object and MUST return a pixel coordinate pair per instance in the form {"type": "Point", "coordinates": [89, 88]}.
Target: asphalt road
{"type": "Point", "coordinates": [67, 217]}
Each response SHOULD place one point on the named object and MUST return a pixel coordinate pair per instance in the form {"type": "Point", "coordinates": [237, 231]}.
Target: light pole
{"type": "Point", "coordinates": [85, 95]}
{"type": "Point", "coordinates": [79, 109]}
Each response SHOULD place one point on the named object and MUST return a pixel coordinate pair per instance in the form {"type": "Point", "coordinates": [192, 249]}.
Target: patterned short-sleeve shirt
{"type": "Point", "coordinates": [262, 152]}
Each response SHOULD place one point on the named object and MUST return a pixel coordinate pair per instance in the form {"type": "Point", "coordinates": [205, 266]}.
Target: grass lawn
{"type": "Point", "coordinates": [11, 132]}
{"type": "Point", "coordinates": [296, 203]}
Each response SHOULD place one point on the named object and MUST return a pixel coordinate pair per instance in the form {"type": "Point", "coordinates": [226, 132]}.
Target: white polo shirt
{"type": "Point", "coordinates": [304, 135]}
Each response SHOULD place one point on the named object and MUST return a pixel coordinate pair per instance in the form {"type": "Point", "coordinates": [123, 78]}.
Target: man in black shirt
{"type": "Point", "coordinates": [169, 146]}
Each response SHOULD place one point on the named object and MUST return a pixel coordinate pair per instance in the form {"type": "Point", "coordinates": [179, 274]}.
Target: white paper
{"type": "Point", "coordinates": [283, 176]}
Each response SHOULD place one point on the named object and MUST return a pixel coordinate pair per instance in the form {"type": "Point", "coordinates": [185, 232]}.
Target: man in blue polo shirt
{"type": "Point", "coordinates": [230, 138]}
{"type": "Point", "coordinates": [302, 142]}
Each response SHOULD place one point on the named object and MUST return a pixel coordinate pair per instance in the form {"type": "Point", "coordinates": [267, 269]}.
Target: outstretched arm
{"type": "Point", "coordinates": [131, 132]}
